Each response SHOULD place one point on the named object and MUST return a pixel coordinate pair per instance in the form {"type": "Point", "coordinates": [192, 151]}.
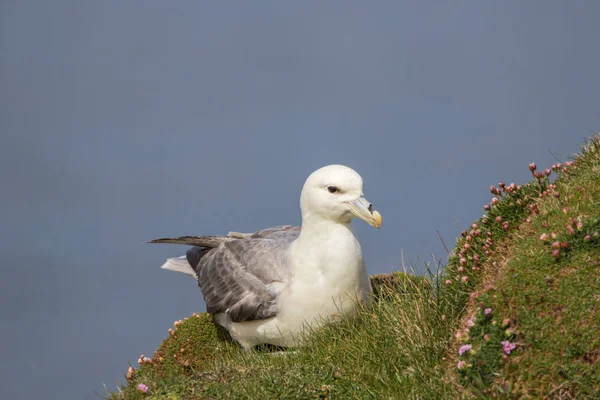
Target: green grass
{"type": "Point", "coordinates": [503, 283]}
{"type": "Point", "coordinates": [377, 355]}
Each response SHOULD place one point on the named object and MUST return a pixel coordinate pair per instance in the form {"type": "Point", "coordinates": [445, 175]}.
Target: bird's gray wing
{"type": "Point", "coordinates": [283, 232]}
{"type": "Point", "coordinates": [243, 278]}
{"type": "Point", "coordinates": [241, 274]}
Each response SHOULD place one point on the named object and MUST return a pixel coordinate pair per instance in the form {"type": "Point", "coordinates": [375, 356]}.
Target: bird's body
{"type": "Point", "coordinates": [268, 286]}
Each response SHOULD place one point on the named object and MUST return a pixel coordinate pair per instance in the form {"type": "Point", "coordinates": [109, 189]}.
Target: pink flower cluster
{"type": "Point", "coordinates": [142, 388]}
{"type": "Point", "coordinates": [500, 191]}
{"type": "Point", "coordinates": [507, 346]}
{"type": "Point", "coordinates": [464, 348]}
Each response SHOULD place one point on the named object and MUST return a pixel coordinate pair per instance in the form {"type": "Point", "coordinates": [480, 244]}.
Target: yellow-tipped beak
{"type": "Point", "coordinates": [362, 209]}
{"type": "Point", "coordinates": [376, 219]}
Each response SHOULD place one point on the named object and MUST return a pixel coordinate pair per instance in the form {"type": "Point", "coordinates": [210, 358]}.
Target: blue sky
{"type": "Point", "coordinates": [126, 121]}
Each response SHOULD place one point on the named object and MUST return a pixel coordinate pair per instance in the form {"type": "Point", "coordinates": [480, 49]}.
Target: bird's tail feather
{"type": "Point", "coordinates": [179, 264]}
{"type": "Point", "coordinates": [201, 241]}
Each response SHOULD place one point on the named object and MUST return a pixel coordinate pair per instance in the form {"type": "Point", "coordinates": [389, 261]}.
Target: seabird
{"type": "Point", "coordinates": [268, 286]}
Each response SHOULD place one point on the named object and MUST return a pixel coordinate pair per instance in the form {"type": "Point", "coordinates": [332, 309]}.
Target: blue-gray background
{"type": "Point", "coordinates": [123, 121]}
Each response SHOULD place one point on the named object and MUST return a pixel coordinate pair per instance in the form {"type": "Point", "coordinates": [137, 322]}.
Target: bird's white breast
{"type": "Point", "coordinates": [329, 279]}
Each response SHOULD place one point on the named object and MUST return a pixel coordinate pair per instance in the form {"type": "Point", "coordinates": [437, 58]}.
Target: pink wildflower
{"type": "Point", "coordinates": [487, 311]}
{"type": "Point", "coordinates": [470, 322]}
{"type": "Point", "coordinates": [507, 346]}
{"type": "Point", "coordinates": [142, 388]}
{"type": "Point", "coordinates": [556, 253]}
{"type": "Point", "coordinates": [544, 237]}
{"type": "Point", "coordinates": [532, 167]}
{"type": "Point", "coordinates": [461, 364]}
{"type": "Point", "coordinates": [464, 348]}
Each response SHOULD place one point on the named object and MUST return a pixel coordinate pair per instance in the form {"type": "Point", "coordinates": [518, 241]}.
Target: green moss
{"type": "Point", "coordinates": [193, 343]}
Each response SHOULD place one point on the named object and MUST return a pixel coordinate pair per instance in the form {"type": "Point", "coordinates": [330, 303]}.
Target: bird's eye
{"type": "Point", "coordinates": [332, 189]}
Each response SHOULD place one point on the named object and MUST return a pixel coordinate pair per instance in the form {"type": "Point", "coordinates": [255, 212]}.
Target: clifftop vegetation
{"type": "Point", "coordinates": [514, 314]}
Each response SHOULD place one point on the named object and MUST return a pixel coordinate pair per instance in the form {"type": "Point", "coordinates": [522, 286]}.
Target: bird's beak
{"type": "Point", "coordinates": [364, 210]}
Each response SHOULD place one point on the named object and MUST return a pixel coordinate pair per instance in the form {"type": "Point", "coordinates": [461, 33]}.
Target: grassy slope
{"type": "Point", "coordinates": [542, 294]}
{"type": "Point", "coordinates": [405, 344]}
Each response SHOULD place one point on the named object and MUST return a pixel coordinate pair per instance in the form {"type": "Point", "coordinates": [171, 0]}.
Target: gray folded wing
{"type": "Point", "coordinates": [242, 275]}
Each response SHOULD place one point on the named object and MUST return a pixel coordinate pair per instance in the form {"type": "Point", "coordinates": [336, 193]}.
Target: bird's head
{"type": "Point", "coordinates": [335, 192]}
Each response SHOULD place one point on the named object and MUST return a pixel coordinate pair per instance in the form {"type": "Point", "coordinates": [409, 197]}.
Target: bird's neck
{"type": "Point", "coordinates": [318, 229]}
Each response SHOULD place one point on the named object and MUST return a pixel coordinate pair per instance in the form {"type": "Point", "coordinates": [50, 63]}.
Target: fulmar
{"type": "Point", "coordinates": [268, 286]}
